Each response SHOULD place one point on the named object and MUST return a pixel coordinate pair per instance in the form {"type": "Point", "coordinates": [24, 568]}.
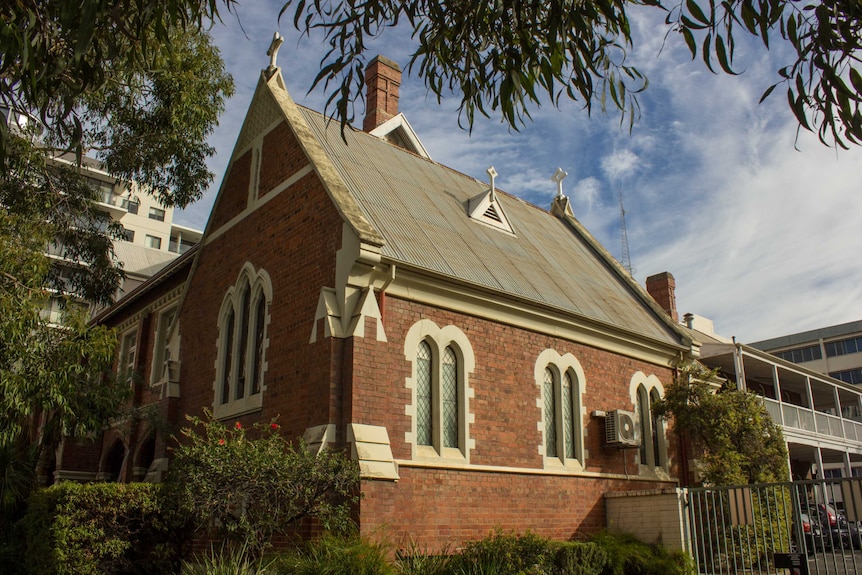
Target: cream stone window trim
{"type": "Point", "coordinates": [438, 341]}
{"type": "Point", "coordinates": [128, 355]}
{"type": "Point", "coordinates": [166, 318]}
{"type": "Point", "coordinates": [653, 458]}
{"type": "Point", "coordinates": [546, 472]}
{"type": "Point", "coordinates": [562, 367]}
{"type": "Point", "coordinates": [241, 345]}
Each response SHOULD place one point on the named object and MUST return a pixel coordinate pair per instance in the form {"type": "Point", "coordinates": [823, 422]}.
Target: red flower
{"type": "Point", "coordinates": [238, 425]}
{"type": "Point", "coordinates": [221, 441]}
{"type": "Point", "coordinates": [274, 426]}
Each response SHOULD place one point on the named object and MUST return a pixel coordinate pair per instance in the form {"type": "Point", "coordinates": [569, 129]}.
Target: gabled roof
{"type": "Point", "coordinates": [421, 209]}
{"type": "Point", "coordinates": [398, 132]}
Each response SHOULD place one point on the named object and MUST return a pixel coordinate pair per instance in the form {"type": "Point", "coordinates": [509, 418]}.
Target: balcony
{"type": "Point", "coordinates": [117, 205]}
{"type": "Point", "coordinates": [800, 418]}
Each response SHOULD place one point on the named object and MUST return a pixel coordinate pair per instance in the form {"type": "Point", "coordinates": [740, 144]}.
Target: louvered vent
{"type": "Point", "coordinates": [491, 213]}
{"type": "Point", "coordinates": [487, 209]}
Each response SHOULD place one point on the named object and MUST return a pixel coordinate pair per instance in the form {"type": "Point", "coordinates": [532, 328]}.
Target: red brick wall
{"type": "Point", "coordinates": [505, 389]}
{"type": "Point", "coordinates": [233, 197]}
{"type": "Point", "coordinates": [440, 506]}
{"type": "Point", "coordinates": [436, 507]}
{"type": "Point", "coordinates": [294, 237]}
{"type": "Point", "coordinates": [86, 454]}
{"type": "Point", "coordinates": [277, 167]}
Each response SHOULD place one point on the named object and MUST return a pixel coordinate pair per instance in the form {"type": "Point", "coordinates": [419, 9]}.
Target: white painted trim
{"type": "Point", "coordinates": [399, 122]}
{"type": "Point", "coordinates": [459, 296]}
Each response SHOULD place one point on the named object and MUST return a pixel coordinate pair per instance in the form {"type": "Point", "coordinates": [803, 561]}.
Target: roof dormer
{"type": "Point", "coordinates": [487, 209]}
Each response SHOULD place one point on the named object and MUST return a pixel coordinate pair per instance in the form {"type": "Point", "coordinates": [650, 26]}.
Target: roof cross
{"type": "Point", "coordinates": [492, 173]}
{"type": "Point", "coordinates": [558, 177]}
{"type": "Point", "coordinates": [277, 40]}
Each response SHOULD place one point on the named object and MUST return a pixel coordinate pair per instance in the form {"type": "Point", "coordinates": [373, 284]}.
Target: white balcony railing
{"type": "Point", "coordinates": [804, 419]}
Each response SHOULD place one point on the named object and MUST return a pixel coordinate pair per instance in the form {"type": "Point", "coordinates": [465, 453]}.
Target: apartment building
{"type": "Point", "coordinates": [151, 238]}
{"type": "Point", "coordinates": [835, 350]}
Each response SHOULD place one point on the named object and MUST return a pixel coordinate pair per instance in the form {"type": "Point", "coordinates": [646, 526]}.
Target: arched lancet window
{"type": "Point", "coordinates": [259, 325]}
{"type": "Point", "coordinates": [442, 361]}
{"type": "Point", "coordinates": [449, 391]}
{"type": "Point", "coordinates": [424, 395]}
{"type": "Point", "coordinates": [645, 427]}
{"type": "Point", "coordinates": [645, 392]}
{"type": "Point", "coordinates": [569, 410]}
{"type": "Point", "coordinates": [561, 385]}
{"type": "Point", "coordinates": [550, 413]}
{"type": "Point", "coordinates": [241, 366]}
{"type": "Point", "coordinates": [656, 430]}
{"type": "Point", "coordinates": [227, 357]}
{"type": "Point", "coordinates": [242, 352]}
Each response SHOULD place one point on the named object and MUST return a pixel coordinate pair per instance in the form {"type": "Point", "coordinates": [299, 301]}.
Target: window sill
{"type": "Point", "coordinates": [430, 454]}
{"type": "Point", "coordinates": [572, 465]}
{"type": "Point", "coordinates": [239, 407]}
{"type": "Point", "coordinates": [653, 472]}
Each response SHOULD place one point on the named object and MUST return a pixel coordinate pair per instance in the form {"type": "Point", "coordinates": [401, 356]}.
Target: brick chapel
{"type": "Point", "coordinates": [483, 359]}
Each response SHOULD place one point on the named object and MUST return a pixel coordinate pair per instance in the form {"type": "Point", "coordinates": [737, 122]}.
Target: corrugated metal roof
{"type": "Point", "coordinates": [420, 208]}
{"type": "Point", "coordinates": [140, 260]}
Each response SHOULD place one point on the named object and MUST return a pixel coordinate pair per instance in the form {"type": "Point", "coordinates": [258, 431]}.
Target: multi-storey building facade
{"type": "Point", "coordinates": [151, 238]}
{"type": "Point", "coordinates": [835, 351]}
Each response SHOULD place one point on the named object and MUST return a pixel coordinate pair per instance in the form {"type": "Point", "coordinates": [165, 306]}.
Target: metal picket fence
{"type": "Point", "coordinates": [803, 527]}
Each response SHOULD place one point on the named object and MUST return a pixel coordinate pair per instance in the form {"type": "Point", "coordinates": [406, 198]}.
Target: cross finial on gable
{"type": "Point", "coordinates": [277, 41]}
{"type": "Point", "coordinates": [492, 173]}
{"type": "Point", "coordinates": [558, 177]}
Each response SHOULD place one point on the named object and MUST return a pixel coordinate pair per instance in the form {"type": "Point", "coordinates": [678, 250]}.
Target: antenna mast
{"type": "Point", "coordinates": [625, 259]}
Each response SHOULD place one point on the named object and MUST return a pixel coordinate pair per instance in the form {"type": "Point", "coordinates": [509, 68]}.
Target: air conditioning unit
{"type": "Point", "coordinates": [620, 429]}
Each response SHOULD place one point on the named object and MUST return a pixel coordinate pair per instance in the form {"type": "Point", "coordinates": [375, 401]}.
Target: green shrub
{"type": "Point", "coordinates": [627, 555]}
{"type": "Point", "coordinates": [252, 489]}
{"type": "Point", "coordinates": [416, 560]}
{"type": "Point", "coordinates": [577, 558]}
{"type": "Point", "coordinates": [227, 561]}
{"type": "Point", "coordinates": [100, 529]}
{"type": "Point", "coordinates": [505, 554]}
{"type": "Point", "coordinates": [334, 554]}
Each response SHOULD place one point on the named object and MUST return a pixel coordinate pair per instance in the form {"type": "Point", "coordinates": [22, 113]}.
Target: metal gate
{"type": "Point", "coordinates": [812, 527]}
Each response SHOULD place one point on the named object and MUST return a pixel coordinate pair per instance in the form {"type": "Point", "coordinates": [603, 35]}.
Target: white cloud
{"type": "Point", "coordinates": [620, 164]}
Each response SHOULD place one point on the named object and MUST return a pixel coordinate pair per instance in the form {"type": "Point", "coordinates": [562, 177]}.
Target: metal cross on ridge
{"type": "Point", "coordinates": [558, 177]}
{"type": "Point", "coordinates": [277, 41]}
{"type": "Point", "coordinates": [492, 173]}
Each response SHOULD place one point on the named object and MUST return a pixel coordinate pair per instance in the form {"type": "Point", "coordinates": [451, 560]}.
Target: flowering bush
{"type": "Point", "coordinates": [250, 489]}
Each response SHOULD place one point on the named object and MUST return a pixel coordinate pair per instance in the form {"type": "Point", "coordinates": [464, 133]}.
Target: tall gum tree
{"type": "Point", "coordinates": [141, 89]}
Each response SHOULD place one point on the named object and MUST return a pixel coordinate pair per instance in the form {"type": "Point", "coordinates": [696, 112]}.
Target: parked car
{"type": "Point", "coordinates": [813, 534]}
{"type": "Point", "coordinates": [837, 531]}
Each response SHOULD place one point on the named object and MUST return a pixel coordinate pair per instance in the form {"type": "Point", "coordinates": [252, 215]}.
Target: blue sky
{"type": "Point", "coordinates": [761, 230]}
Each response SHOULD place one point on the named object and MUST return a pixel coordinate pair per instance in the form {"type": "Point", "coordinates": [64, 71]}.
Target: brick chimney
{"type": "Point", "coordinates": [382, 79]}
{"type": "Point", "coordinates": [661, 287]}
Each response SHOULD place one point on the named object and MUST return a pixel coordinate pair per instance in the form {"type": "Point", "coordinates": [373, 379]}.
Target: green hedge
{"type": "Point", "coordinates": [502, 553]}
{"type": "Point", "coordinates": [629, 556]}
{"type": "Point", "coordinates": [101, 529]}
{"type": "Point", "coordinates": [575, 558]}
